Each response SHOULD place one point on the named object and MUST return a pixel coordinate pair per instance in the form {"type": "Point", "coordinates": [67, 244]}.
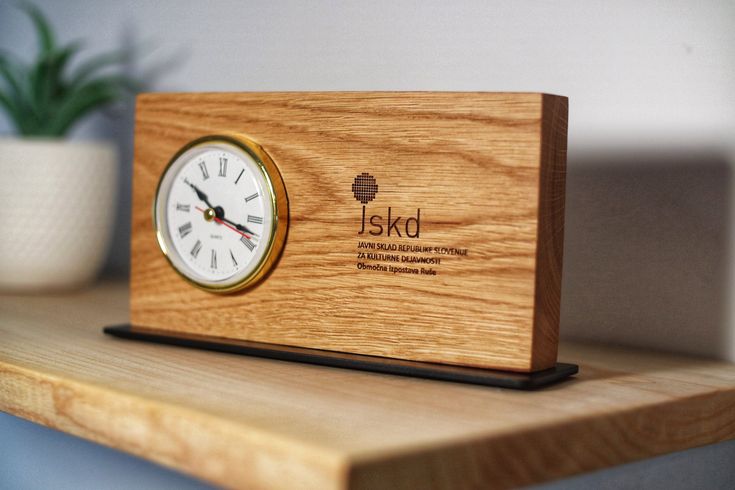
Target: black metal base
{"type": "Point", "coordinates": [443, 372]}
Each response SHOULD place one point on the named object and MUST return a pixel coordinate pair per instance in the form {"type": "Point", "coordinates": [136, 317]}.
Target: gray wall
{"type": "Point", "coordinates": [649, 241]}
{"type": "Point", "coordinates": [649, 235]}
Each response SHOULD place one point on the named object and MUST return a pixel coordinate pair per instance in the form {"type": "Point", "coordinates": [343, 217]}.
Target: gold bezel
{"type": "Point", "coordinates": [279, 205]}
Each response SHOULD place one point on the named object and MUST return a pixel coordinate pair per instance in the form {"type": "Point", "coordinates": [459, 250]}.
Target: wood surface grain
{"type": "Point", "coordinates": [550, 245]}
{"type": "Point", "coordinates": [486, 171]}
{"type": "Point", "coordinates": [253, 423]}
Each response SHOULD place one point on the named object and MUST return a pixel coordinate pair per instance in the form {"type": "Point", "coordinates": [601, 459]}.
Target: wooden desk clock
{"type": "Point", "coordinates": [416, 233]}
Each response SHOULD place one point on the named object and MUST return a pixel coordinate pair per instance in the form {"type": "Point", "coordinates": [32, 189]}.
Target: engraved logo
{"type": "Point", "coordinates": [364, 188]}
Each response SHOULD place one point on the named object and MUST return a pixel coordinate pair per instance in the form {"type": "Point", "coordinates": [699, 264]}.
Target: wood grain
{"type": "Point", "coordinates": [244, 422]}
{"type": "Point", "coordinates": [485, 169]}
{"type": "Point", "coordinates": [550, 245]}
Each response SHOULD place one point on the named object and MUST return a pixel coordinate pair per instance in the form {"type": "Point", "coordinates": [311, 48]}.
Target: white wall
{"type": "Point", "coordinates": [649, 238]}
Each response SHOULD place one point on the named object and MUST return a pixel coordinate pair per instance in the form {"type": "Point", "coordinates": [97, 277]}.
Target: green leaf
{"type": "Point", "coordinates": [86, 98]}
{"type": "Point", "coordinates": [16, 97]}
{"type": "Point", "coordinates": [97, 63]}
{"type": "Point", "coordinates": [43, 98]}
{"type": "Point", "coordinates": [11, 72]}
{"type": "Point", "coordinates": [43, 29]}
{"type": "Point", "coordinates": [10, 108]}
{"type": "Point", "coordinates": [47, 77]}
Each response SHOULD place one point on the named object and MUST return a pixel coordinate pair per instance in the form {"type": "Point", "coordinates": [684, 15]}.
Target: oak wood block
{"type": "Point", "coordinates": [477, 180]}
{"type": "Point", "coordinates": [243, 422]}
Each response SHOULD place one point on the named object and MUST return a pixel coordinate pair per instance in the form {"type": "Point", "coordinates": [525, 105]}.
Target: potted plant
{"type": "Point", "coordinates": [57, 197]}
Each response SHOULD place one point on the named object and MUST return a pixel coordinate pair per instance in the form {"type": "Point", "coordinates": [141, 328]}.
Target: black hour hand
{"type": "Point", "coordinates": [202, 196]}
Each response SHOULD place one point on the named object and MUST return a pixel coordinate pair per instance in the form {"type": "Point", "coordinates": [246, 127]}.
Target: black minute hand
{"type": "Point", "coordinates": [239, 227]}
{"type": "Point", "coordinates": [218, 210]}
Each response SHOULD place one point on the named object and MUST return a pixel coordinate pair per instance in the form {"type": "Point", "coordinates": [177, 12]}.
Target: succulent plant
{"type": "Point", "coordinates": [46, 97]}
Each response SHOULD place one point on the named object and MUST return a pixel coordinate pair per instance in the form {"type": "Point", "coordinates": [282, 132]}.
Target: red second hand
{"type": "Point", "coordinates": [226, 224]}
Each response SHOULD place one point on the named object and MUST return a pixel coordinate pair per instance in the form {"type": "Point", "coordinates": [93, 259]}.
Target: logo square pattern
{"type": "Point", "coordinates": [364, 188]}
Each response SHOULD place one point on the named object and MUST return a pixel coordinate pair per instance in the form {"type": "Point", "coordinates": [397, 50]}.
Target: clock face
{"type": "Point", "coordinates": [216, 213]}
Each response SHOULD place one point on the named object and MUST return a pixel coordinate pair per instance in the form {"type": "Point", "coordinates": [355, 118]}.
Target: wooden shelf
{"type": "Point", "coordinates": [247, 422]}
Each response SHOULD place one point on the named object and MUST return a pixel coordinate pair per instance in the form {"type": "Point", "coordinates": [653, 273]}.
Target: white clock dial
{"type": "Point", "coordinates": [216, 214]}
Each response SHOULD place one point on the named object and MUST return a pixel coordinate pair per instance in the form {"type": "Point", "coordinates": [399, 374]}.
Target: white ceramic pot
{"type": "Point", "coordinates": [57, 212]}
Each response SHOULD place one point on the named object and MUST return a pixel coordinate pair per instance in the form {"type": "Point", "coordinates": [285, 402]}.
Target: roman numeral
{"type": "Point", "coordinates": [185, 229]}
{"type": "Point", "coordinates": [197, 247]}
{"type": "Point", "coordinates": [213, 260]}
{"type": "Point", "coordinates": [182, 207]}
{"type": "Point", "coordinates": [251, 197]}
{"type": "Point", "coordinates": [239, 175]}
{"type": "Point", "coordinates": [246, 241]}
{"type": "Point", "coordinates": [234, 262]}
{"type": "Point", "coordinates": [255, 219]}
{"type": "Point", "coordinates": [222, 167]}
{"type": "Point", "coordinates": [203, 168]}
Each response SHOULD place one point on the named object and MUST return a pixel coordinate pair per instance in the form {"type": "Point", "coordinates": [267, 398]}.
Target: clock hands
{"type": "Point", "coordinates": [229, 224]}
{"type": "Point", "coordinates": [236, 225]}
{"type": "Point", "coordinates": [219, 212]}
{"type": "Point", "coordinates": [202, 196]}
